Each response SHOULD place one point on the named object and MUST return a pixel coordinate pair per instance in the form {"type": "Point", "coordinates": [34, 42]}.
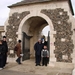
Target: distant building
{"type": "Point", "coordinates": [2, 31]}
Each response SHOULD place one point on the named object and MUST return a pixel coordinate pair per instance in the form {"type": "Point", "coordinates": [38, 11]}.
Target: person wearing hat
{"type": "Point", "coordinates": [4, 42]}
{"type": "Point", "coordinates": [38, 48]}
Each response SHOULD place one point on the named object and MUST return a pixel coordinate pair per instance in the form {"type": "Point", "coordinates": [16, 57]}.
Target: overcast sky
{"type": "Point", "coordinates": [4, 10]}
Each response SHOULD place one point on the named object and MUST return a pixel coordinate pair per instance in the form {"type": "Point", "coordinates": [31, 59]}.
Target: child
{"type": "Point", "coordinates": [45, 56]}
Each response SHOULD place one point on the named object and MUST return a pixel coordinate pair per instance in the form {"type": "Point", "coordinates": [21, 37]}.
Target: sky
{"type": "Point", "coordinates": [4, 10]}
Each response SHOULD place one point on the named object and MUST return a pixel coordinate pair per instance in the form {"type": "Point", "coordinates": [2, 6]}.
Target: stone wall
{"type": "Point", "coordinates": [12, 28]}
{"type": "Point", "coordinates": [63, 42]}
{"type": "Point", "coordinates": [60, 19]}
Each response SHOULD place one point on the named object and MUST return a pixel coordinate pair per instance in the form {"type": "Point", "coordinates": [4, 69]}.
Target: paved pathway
{"type": "Point", "coordinates": [28, 68]}
{"type": "Point", "coordinates": [8, 72]}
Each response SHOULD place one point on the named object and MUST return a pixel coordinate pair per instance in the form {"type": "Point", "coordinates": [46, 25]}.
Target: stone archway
{"type": "Point", "coordinates": [42, 16]}
{"type": "Point", "coordinates": [61, 44]}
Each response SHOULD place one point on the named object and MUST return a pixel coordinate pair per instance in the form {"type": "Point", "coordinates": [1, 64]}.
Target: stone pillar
{"type": "Point", "coordinates": [73, 72]}
{"type": "Point", "coordinates": [52, 47]}
{"type": "Point", "coordinates": [52, 59]}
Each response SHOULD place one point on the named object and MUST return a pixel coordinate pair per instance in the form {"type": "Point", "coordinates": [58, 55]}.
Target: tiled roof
{"type": "Point", "coordinates": [25, 2]}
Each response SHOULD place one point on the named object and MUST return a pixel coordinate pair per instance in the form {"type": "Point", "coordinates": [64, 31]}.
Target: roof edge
{"type": "Point", "coordinates": [71, 8]}
{"type": "Point", "coordinates": [21, 4]}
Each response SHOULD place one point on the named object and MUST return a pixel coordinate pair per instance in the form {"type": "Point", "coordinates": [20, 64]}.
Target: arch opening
{"type": "Point", "coordinates": [32, 26]}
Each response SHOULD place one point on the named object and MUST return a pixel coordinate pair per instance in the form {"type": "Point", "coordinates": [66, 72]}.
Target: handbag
{"type": "Point", "coordinates": [21, 54]}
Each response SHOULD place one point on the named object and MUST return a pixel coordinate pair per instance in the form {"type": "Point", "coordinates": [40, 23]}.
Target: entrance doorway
{"type": "Point", "coordinates": [32, 27]}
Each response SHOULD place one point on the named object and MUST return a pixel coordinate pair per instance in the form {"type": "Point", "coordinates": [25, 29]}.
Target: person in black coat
{"type": "Point", "coordinates": [2, 54]}
{"type": "Point", "coordinates": [38, 48]}
{"type": "Point", "coordinates": [6, 49]}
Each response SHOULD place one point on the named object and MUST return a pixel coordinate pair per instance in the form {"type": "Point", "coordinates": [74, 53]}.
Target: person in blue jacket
{"type": "Point", "coordinates": [38, 48]}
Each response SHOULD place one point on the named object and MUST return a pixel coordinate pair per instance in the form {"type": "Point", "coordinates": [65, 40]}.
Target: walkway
{"type": "Point", "coordinates": [9, 72]}
{"type": "Point", "coordinates": [28, 68]}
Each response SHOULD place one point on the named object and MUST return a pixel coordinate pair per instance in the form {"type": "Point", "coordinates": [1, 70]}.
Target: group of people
{"type": "Point", "coordinates": [3, 52]}
{"type": "Point", "coordinates": [41, 53]}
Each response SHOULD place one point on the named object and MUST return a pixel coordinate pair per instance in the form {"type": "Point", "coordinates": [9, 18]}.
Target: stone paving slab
{"type": "Point", "coordinates": [56, 73]}
{"type": "Point", "coordinates": [8, 72]}
{"type": "Point", "coordinates": [28, 67]}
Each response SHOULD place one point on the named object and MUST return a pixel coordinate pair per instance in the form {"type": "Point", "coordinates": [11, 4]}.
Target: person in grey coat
{"type": "Point", "coordinates": [45, 56]}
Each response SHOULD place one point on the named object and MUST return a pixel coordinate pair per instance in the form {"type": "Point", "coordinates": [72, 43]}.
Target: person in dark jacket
{"type": "Point", "coordinates": [6, 49]}
{"type": "Point", "coordinates": [38, 48]}
{"type": "Point", "coordinates": [2, 54]}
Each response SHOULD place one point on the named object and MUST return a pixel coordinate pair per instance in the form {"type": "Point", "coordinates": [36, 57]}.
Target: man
{"type": "Point", "coordinates": [38, 48]}
{"type": "Point", "coordinates": [2, 54]}
{"type": "Point", "coordinates": [6, 49]}
{"type": "Point", "coordinates": [18, 52]}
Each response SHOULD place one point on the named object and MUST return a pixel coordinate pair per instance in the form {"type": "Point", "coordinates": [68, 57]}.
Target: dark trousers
{"type": "Point", "coordinates": [44, 61]}
{"type": "Point", "coordinates": [37, 59]}
{"type": "Point", "coordinates": [18, 60]}
{"type": "Point", "coordinates": [5, 58]}
{"type": "Point", "coordinates": [1, 60]}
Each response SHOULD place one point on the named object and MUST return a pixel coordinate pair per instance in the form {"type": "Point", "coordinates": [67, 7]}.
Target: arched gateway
{"type": "Point", "coordinates": [28, 18]}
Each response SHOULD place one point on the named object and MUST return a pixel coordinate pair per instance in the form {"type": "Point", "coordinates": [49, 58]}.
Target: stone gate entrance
{"type": "Point", "coordinates": [31, 17]}
{"type": "Point", "coordinates": [33, 27]}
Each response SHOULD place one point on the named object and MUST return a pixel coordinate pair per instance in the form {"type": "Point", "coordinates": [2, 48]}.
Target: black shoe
{"type": "Point", "coordinates": [45, 65]}
{"type": "Point", "coordinates": [6, 62]}
{"type": "Point", "coordinates": [19, 63]}
{"type": "Point", "coordinates": [36, 65]}
{"type": "Point", "coordinates": [39, 65]}
{"type": "Point", "coordinates": [16, 61]}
